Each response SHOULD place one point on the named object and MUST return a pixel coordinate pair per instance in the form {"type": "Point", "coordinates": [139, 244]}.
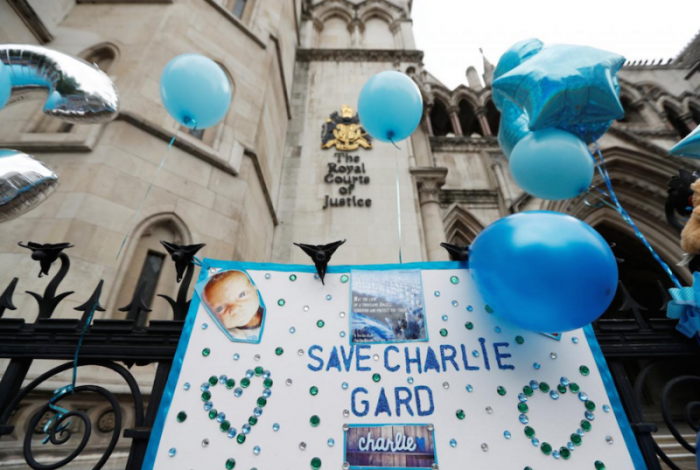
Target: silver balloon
{"type": "Point", "coordinates": [78, 92]}
{"type": "Point", "coordinates": [25, 183]}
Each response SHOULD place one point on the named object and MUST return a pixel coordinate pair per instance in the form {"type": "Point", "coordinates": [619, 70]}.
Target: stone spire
{"type": "Point", "coordinates": [488, 69]}
{"type": "Point", "coordinates": [473, 79]}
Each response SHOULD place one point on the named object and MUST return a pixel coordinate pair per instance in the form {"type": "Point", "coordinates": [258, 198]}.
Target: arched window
{"type": "Point", "coordinates": [377, 34]}
{"type": "Point", "coordinates": [149, 266]}
{"type": "Point", "coordinates": [639, 272]}
{"type": "Point", "coordinates": [493, 117]}
{"type": "Point", "coordinates": [102, 56]}
{"type": "Point", "coordinates": [211, 135]}
{"type": "Point", "coordinates": [440, 120]}
{"type": "Point", "coordinates": [468, 120]}
{"type": "Point", "coordinates": [334, 35]}
{"type": "Point", "coordinates": [241, 9]}
{"type": "Point", "coordinates": [632, 116]}
{"type": "Point", "coordinates": [677, 123]}
{"type": "Point", "coordinates": [461, 228]}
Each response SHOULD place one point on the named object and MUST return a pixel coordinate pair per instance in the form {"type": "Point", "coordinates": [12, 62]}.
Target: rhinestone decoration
{"type": "Point", "coordinates": [342, 334]}
{"type": "Point", "coordinates": [599, 465]}
{"type": "Point", "coordinates": [564, 381]}
{"type": "Point", "coordinates": [470, 388]}
{"type": "Point", "coordinates": [204, 326]}
{"type": "Point", "coordinates": [582, 396]}
{"type": "Point", "coordinates": [344, 385]}
{"type": "Point", "coordinates": [524, 419]}
{"type": "Point", "coordinates": [236, 357]}
{"type": "Point", "coordinates": [181, 417]}
{"type": "Point", "coordinates": [443, 332]}
{"type": "Point", "coordinates": [230, 464]}
{"type": "Point", "coordinates": [519, 339]}
{"type": "Point", "coordinates": [315, 421]}
{"type": "Point", "coordinates": [554, 394]}
{"type": "Point", "coordinates": [455, 303]}
{"type": "Point", "coordinates": [267, 276]}
{"type": "Point", "coordinates": [606, 408]}
{"type": "Point", "coordinates": [536, 365]}
{"type": "Point", "coordinates": [231, 433]}
{"type": "Point", "coordinates": [205, 442]}
{"type": "Point", "coordinates": [302, 445]}
{"type": "Point", "coordinates": [574, 340]}
{"type": "Point", "coordinates": [256, 450]}
{"type": "Point", "coordinates": [475, 353]}
{"type": "Point", "coordinates": [446, 385]}
{"type": "Point", "coordinates": [329, 297]}
{"type": "Point", "coordinates": [376, 357]}
{"type": "Point", "coordinates": [469, 325]}
{"type": "Point", "coordinates": [376, 377]}
{"type": "Point", "coordinates": [281, 302]}
{"type": "Point", "coordinates": [470, 308]}
{"type": "Point", "coordinates": [453, 442]}
{"type": "Point", "coordinates": [305, 308]}
{"type": "Point", "coordinates": [445, 318]}
{"type": "Point", "coordinates": [501, 390]}
{"type": "Point", "coordinates": [315, 463]}
{"type": "Point", "coordinates": [544, 387]}
{"type": "Point", "coordinates": [344, 278]}
{"type": "Point", "coordinates": [342, 314]}
{"type": "Point", "coordinates": [506, 434]}
{"type": "Point", "coordinates": [313, 391]}
{"type": "Point", "coordinates": [489, 410]}
{"type": "Point", "coordinates": [293, 277]}
{"type": "Point", "coordinates": [497, 329]}
{"type": "Point", "coordinates": [172, 452]}
{"type": "Point", "coordinates": [186, 385]}
{"type": "Point", "coordinates": [460, 414]}
{"type": "Point", "coordinates": [300, 352]}
{"type": "Point", "coordinates": [485, 447]}
{"type": "Point", "coordinates": [553, 355]}
{"type": "Point", "coordinates": [584, 370]}
{"type": "Point", "coordinates": [292, 330]}
{"type": "Point", "coordinates": [320, 323]}
{"type": "Point", "coordinates": [331, 442]}
{"type": "Point", "coordinates": [454, 280]}
{"type": "Point", "coordinates": [276, 427]}
{"type": "Point", "coordinates": [410, 380]}
{"type": "Point", "coordinates": [437, 293]}
{"type": "Point", "coordinates": [206, 352]}
{"type": "Point", "coordinates": [346, 413]}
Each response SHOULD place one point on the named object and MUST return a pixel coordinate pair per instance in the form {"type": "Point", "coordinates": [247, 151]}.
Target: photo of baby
{"type": "Point", "coordinates": [233, 300]}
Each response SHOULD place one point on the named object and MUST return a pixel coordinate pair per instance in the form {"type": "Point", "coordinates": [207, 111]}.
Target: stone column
{"type": "Point", "coordinates": [426, 117]}
{"type": "Point", "coordinates": [454, 118]}
{"type": "Point", "coordinates": [429, 181]}
{"type": "Point", "coordinates": [355, 29]}
{"type": "Point", "coordinates": [687, 119]}
{"type": "Point", "coordinates": [481, 116]}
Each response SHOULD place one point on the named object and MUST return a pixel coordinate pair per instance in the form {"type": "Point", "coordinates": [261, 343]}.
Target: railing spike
{"type": "Point", "coordinates": [629, 304]}
{"type": "Point", "coordinates": [91, 306]}
{"type": "Point", "coordinates": [6, 297]}
{"type": "Point", "coordinates": [137, 305]}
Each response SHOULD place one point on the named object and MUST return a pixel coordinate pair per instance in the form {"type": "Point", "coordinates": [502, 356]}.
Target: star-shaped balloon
{"type": "Point", "coordinates": [569, 87]}
{"type": "Point", "coordinates": [688, 147]}
{"type": "Point", "coordinates": [514, 56]}
{"type": "Point", "coordinates": [513, 128]}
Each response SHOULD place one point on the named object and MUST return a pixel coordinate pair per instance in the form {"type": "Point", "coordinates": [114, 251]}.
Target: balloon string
{"type": "Point", "coordinates": [603, 171]}
{"type": "Point", "coordinates": [398, 200]}
{"type": "Point", "coordinates": [145, 196]}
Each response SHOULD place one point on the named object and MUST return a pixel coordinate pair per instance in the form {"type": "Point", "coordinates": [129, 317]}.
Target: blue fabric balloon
{"type": "Point", "coordinates": [544, 271]}
{"type": "Point", "coordinates": [5, 84]}
{"type": "Point", "coordinates": [688, 147]}
{"type": "Point", "coordinates": [514, 56]}
{"type": "Point", "coordinates": [569, 87]}
{"type": "Point", "coordinates": [195, 91]}
{"type": "Point", "coordinates": [552, 164]}
{"type": "Point", "coordinates": [513, 128]}
{"type": "Point", "coordinates": [390, 106]}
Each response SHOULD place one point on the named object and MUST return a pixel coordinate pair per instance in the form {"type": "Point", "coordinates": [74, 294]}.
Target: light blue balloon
{"type": "Point", "coordinates": [513, 128]}
{"type": "Point", "coordinates": [552, 164]}
{"type": "Point", "coordinates": [5, 84]}
{"type": "Point", "coordinates": [569, 87]}
{"type": "Point", "coordinates": [514, 56]}
{"type": "Point", "coordinates": [195, 91]}
{"type": "Point", "coordinates": [688, 147]}
{"type": "Point", "coordinates": [544, 271]}
{"type": "Point", "coordinates": [390, 106]}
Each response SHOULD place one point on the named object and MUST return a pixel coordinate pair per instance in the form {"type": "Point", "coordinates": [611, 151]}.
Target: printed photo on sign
{"type": "Point", "coordinates": [396, 447]}
{"type": "Point", "coordinates": [387, 307]}
{"type": "Point", "coordinates": [235, 304]}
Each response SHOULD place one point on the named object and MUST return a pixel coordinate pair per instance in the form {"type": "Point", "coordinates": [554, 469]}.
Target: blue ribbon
{"type": "Point", "coordinates": [626, 217]}
{"type": "Point", "coordinates": [60, 412]}
{"type": "Point", "coordinates": [685, 309]}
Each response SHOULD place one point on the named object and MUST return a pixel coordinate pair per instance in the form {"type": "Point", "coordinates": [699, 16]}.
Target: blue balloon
{"type": "Point", "coordinates": [552, 164]}
{"type": "Point", "coordinates": [5, 84]}
{"type": "Point", "coordinates": [569, 87]}
{"type": "Point", "coordinates": [514, 56]}
{"type": "Point", "coordinates": [513, 128]}
{"type": "Point", "coordinates": [195, 91]}
{"type": "Point", "coordinates": [390, 106]}
{"type": "Point", "coordinates": [544, 271]}
{"type": "Point", "coordinates": [688, 147]}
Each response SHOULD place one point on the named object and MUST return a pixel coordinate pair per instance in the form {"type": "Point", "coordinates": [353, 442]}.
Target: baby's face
{"type": "Point", "coordinates": [232, 298]}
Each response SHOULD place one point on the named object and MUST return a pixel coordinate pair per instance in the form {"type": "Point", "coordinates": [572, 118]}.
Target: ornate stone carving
{"type": "Point", "coordinates": [429, 181]}
{"type": "Point", "coordinates": [359, 55]}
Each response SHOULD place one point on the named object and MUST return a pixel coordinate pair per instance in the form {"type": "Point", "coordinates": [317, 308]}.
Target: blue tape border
{"type": "Point", "coordinates": [615, 402]}
{"type": "Point", "coordinates": [166, 400]}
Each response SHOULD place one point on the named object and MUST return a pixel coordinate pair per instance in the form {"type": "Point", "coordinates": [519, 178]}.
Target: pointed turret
{"type": "Point", "coordinates": [488, 69]}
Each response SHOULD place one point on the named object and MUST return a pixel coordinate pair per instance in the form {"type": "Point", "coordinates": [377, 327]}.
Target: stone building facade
{"type": "Point", "coordinates": [257, 182]}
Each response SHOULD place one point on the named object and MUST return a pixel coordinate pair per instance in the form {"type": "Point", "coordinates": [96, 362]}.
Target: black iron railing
{"type": "Point", "coordinates": [635, 347]}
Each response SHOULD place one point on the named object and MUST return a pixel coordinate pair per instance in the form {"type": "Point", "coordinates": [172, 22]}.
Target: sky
{"type": "Point", "coordinates": [450, 32]}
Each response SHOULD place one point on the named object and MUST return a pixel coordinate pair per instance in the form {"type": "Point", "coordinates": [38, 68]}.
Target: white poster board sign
{"type": "Point", "coordinates": [383, 367]}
